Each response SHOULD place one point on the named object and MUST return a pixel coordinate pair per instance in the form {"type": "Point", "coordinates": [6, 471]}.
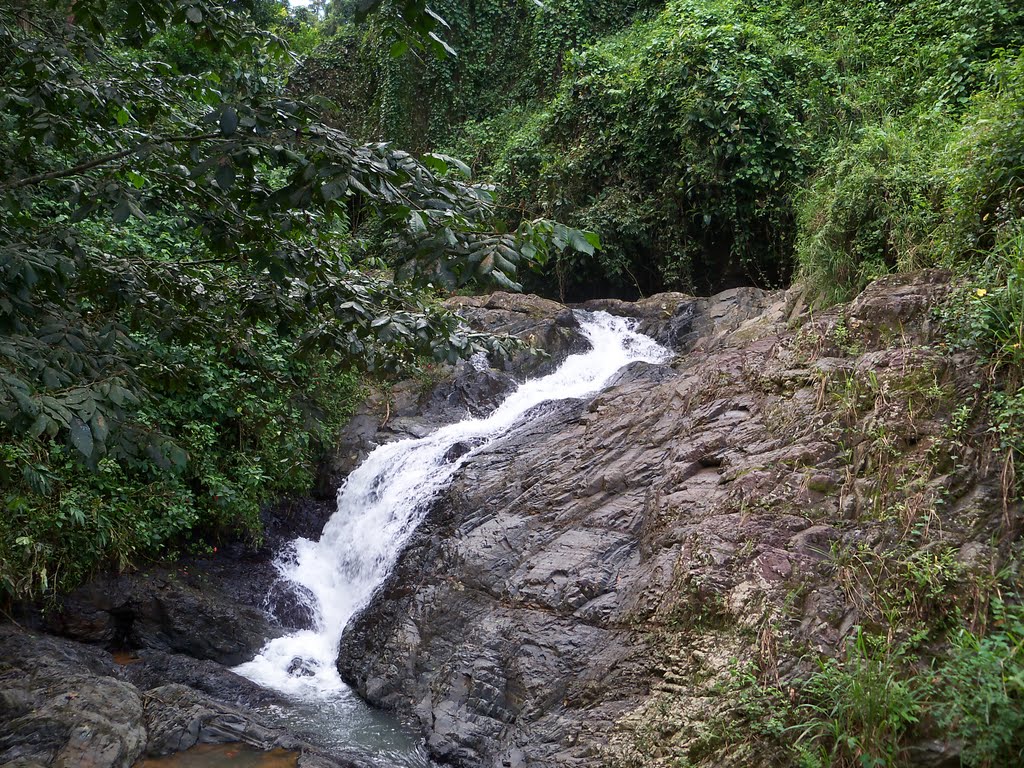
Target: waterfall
{"type": "Point", "coordinates": [386, 497]}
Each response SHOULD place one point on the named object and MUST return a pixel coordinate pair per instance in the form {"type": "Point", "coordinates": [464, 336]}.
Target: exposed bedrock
{"type": "Point", "coordinates": [550, 331]}
{"type": "Point", "coordinates": [582, 593]}
{"type": "Point", "coordinates": [140, 667]}
{"type": "Point", "coordinates": [576, 595]}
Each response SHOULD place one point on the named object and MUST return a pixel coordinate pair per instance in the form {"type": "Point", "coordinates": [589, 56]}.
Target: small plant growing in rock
{"type": "Point", "coordinates": [982, 692]}
{"type": "Point", "coordinates": [842, 336]}
{"type": "Point", "coordinates": [857, 709]}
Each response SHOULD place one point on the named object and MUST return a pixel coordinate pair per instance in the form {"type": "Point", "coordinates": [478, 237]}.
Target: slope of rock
{"type": "Point", "coordinates": [590, 587]}
{"type": "Point", "coordinates": [413, 408]}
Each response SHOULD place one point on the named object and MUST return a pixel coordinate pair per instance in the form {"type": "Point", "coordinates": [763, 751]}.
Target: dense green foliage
{"type": "Point", "coordinates": [680, 140]}
{"type": "Point", "coordinates": [204, 251]}
{"type": "Point", "coordinates": [249, 423]}
{"type": "Point", "coordinates": [711, 143]}
{"type": "Point", "coordinates": [508, 52]}
{"type": "Point", "coordinates": [182, 304]}
{"type": "Point", "coordinates": [941, 188]}
{"type": "Point", "coordinates": [871, 210]}
{"type": "Point", "coordinates": [858, 710]}
{"type": "Point", "coordinates": [979, 692]}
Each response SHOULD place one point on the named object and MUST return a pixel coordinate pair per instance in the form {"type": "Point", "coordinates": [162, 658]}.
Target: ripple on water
{"type": "Point", "coordinates": [345, 726]}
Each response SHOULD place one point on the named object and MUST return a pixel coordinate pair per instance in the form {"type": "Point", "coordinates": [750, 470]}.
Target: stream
{"type": "Point", "coordinates": [379, 507]}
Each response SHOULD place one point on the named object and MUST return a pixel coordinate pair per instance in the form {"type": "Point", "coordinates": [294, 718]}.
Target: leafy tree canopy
{"type": "Point", "coordinates": [183, 302]}
{"type": "Point", "coordinates": [689, 133]}
{"type": "Point", "coordinates": [98, 128]}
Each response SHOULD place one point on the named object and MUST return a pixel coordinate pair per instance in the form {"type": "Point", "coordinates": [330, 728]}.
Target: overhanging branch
{"type": "Point", "coordinates": [104, 160]}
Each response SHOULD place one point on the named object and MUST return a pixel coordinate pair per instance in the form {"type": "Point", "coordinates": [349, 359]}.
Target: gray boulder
{"type": "Point", "coordinates": [68, 705]}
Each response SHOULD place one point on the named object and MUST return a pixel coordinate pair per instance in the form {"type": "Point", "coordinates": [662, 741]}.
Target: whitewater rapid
{"type": "Point", "coordinates": [386, 497]}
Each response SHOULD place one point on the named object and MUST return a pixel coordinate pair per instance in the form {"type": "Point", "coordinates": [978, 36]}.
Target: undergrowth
{"type": "Point", "coordinates": [876, 703]}
{"type": "Point", "coordinates": [250, 424]}
{"type": "Point", "coordinates": [720, 143]}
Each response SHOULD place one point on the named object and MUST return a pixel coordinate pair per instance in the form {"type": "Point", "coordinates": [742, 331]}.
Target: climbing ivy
{"type": "Point", "coordinates": [690, 134]}
{"type": "Point", "coordinates": [507, 52]}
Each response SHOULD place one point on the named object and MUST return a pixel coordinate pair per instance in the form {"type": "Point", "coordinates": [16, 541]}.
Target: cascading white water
{"type": "Point", "coordinates": [386, 497]}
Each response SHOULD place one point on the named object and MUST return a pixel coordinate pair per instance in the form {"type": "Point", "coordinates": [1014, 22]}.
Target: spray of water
{"type": "Point", "coordinates": [386, 497]}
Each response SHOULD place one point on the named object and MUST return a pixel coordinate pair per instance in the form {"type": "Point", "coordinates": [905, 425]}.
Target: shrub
{"type": "Point", "coordinates": [872, 209]}
{"type": "Point", "coordinates": [859, 708]}
{"type": "Point", "coordinates": [981, 692]}
{"type": "Point", "coordinates": [251, 422]}
{"type": "Point", "coordinates": [984, 172]}
{"type": "Point", "coordinates": [681, 139]}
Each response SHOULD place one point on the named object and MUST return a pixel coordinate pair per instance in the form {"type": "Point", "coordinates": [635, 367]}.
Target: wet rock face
{"type": "Point", "coordinates": [588, 580]}
{"type": "Point", "coordinates": [507, 626]}
{"type": "Point", "coordinates": [68, 705]}
{"type": "Point", "coordinates": [551, 331]}
{"type": "Point", "coordinates": [416, 408]}
{"type": "Point", "coordinates": [680, 322]}
{"type": "Point", "coordinates": [60, 706]}
{"type": "Point", "coordinates": [165, 610]}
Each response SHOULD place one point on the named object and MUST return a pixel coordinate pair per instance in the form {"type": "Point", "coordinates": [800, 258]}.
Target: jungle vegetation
{"type": "Point", "coordinates": [720, 143]}
{"type": "Point", "coordinates": [220, 218]}
{"type": "Point", "coordinates": [185, 309]}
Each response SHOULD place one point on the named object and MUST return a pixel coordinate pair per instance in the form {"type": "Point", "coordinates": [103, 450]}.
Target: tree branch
{"type": "Point", "coordinates": [104, 160]}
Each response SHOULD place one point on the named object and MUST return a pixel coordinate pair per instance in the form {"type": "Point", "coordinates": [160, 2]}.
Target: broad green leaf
{"type": "Point", "coordinates": [100, 430]}
{"type": "Point", "coordinates": [229, 121]}
{"type": "Point", "coordinates": [122, 211]}
{"type": "Point", "coordinates": [50, 378]}
{"type": "Point", "coordinates": [225, 176]}
{"type": "Point", "coordinates": [39, 425]}
{"type": "Point", "coordinates": [435, 163]}
{"type": "Point", "coordinates": [580, 243]}
{"type": "Point", "coordinates": [81, 437]}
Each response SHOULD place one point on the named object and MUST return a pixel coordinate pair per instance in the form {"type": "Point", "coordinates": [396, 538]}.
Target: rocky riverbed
{"type": "Point", "coordinates": [585, 590]}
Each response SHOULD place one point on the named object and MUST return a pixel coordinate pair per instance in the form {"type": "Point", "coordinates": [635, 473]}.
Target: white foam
{"type": "Point", "coordinates": [387, 496]}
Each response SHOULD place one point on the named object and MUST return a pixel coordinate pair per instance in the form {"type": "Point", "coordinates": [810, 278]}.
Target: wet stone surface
{"type": "Point", "coordinates": [592, 577]}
